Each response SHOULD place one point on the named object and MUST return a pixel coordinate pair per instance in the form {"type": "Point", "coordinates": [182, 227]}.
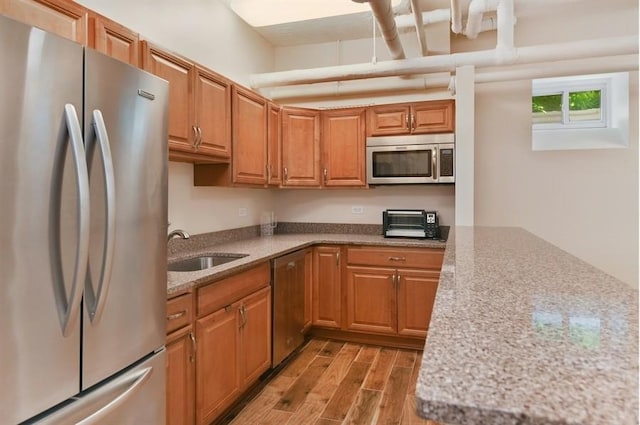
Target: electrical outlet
{"type": "Point", "coordinates": [357, 210]}
{"type": "Point", "coordinates": [242, 212]}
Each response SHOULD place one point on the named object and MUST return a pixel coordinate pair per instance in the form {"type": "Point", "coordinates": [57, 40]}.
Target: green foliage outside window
{"type": "Point", "coordinates": [578, 101]}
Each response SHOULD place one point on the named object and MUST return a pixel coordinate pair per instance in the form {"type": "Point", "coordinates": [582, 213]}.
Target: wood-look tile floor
{"type": "Point", "coordinates": [335, 383]}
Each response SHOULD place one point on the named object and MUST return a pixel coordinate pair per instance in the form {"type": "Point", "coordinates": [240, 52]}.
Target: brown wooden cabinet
{"type": "Point", "coordinates": [212, 114]}
{"type": "Point", "coordinates": [62, 17]}
{"type": "Point", "coordinates": [199, 107]}
{"type": "Point", "coordinates": [181, 351]}
{"type": "Point", "coordinates": [249, 137]}
{"type": "Point", "coordinates": [343, 147]}
{"type": "Point", "coordinates": [113, 39]}
{"type": "Point", "coordinates": [218, 376]}
{"type": "Point", "coordinates": [371, 300]}
{"type": "Point", "coordinates": [391, 290]}
{"type": "Point", "coordinates": [300, 147]}
{"type": "Point", "coordinates": [274, 145]}
{"type": "Point", "coordinates": [233, 334]}
{"type": "Point", "coordinates": [327, 284]}
{"type": "Point", "coordinates": [416, 293]}
{"type": "Point", "coordinates": [411, 118]}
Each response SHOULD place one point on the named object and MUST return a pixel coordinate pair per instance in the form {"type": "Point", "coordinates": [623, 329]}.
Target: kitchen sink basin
{"type": "Point", "coordinates": [203, 262]}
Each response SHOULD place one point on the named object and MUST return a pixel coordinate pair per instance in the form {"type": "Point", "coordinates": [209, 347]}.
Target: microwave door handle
{"type": "Point", "coordinates": [434, 163]}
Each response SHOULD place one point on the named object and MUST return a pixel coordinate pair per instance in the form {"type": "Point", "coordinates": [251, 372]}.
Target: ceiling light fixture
{"type": "Point", "coordinates": [261, 13]}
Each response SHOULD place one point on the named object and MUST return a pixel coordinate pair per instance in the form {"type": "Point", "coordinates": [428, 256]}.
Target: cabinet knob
{"type": "Point", "coordinates": [286, 173]}
{"type": "Point", "coordinates": [324, 173]}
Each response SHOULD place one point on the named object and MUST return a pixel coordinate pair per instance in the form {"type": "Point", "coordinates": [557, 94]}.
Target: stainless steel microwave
{"type": "Point", "coordinates": [411, 159]}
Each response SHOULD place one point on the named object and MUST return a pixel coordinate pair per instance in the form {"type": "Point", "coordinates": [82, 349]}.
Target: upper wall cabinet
{"type": "Point", "coordinates": [62, 17]}
{"type": "Point", "coordinates": [249, 137]}
{"type": "Point", "coordinates": [199, 107]}
{"type": "Point", "coordinates": [416, 118]}
{"type": "Point", "coordinates": [113, 39]}
{"type": "Point", "coordinates": [300, 147]}
{"type": "Point", "coordinates": [343, 147]}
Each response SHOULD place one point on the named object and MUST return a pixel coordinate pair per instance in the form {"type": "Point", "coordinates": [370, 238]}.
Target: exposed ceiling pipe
{"type": "Point", "coordinates": [417, 16]}
{"type": "Point", "coordinates": [456, 17]}
{"type": "Point", "coordinates": [448, 63]}
{"type": "Point", "coordinates": [483, 75]}
{"type": "Point", "coordinates": [430, 17]}
{"type": "Point", "coordinates": [505, 18]}
{"type": "Point", "coordinates": [489, 23]}
{"type": "Point", "coordinates": [383, 12]}
{"type": "Point", "coordinates": [348, 88]}
{"type": "Point", "coordinates": [474, 17]}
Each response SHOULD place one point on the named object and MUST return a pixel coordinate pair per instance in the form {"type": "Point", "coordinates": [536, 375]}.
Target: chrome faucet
{"type": "Point", "coordinates": [178, 233]}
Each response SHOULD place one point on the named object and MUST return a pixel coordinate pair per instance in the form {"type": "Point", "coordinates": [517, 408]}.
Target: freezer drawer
{"type": "Point", "coordinates": [134, 397]}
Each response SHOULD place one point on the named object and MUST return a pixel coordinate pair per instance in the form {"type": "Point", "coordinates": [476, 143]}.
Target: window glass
{"type": "Point", "coordinates": [585, 105]}
{"type": "Point", "coordinates": [547, 108]}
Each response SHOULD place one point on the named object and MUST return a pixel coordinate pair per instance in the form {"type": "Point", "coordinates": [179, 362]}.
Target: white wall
{"type": "Point", "coordinates": [584, 201]}
{"type": "Point", "coordinates": [334, 206]}
{"type": "Point", "coordinates": [207, 32]}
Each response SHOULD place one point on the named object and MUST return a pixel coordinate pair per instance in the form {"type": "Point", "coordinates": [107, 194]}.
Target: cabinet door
{"type": "Point", "coordinates": [371, 299]}
{"type": "Point", "coordinates": [343, 148]}
{"type": "Point", "coordinates": [433, 117]}
{"type": "Point", "coordinates": [113, 39]}
{"type": "Point", "coordinates": [388, 120]}
{"type": "Point", "coordinates": [213, 113]}
{"type": "Point", "coordinates": [62, 17]}
{"type": "Point", "coordinates": [180, 74]}
{"type": "Point", "coordinates": [274, 140]}
{"type": "Point", "coordinates": [326, 287]}
{"type": "Point", "coordinates": [255, 329]}
{"type": "Point", "coordinates": [416, 294]}
{"type": "Point", "coordinates": [180, 377]}
{"type": "Point", "coordinates": [217, 359]}
{"type": "Point", "coordinates": [300, 147]}
{"type": "Point", "coordinates": [249, 137]}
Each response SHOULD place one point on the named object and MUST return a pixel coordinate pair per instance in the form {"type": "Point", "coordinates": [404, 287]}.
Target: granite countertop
{"type": "Point", "coordinates": [525, 333]}
{"type": "Point", "coordinates": [260, 249]}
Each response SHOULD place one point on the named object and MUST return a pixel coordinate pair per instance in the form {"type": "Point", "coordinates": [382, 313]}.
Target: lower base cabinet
{"type": "Point", "coordinates": [180, 377]}
{"type": "Point", "coordinates": [234, 347]}
{"type": "Point", "coordinates": [213, 359]}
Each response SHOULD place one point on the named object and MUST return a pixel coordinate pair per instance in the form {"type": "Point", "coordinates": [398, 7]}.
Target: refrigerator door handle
{"type": "Point", "coordinates": [96, 300]}
{"type": "Point", "coordinates": [68, 307]}
{"type": "Point", "coordinates": [131, 383]}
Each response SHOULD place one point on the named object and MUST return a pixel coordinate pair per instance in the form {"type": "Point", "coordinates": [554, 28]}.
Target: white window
{"type": "Point", "coordinates": [580, 112]}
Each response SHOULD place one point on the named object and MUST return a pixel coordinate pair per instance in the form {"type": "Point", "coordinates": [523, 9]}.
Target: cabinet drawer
{"type": "Point", "coordinates": [229, 290]}
{"type": "Point", "coordinates": [179, 312]}
{"type": "Point", "coordinates": [423, 258]}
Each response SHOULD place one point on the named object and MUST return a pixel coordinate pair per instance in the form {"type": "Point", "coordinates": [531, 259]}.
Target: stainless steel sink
{"type": "Point", "coordinates": [203, 262]}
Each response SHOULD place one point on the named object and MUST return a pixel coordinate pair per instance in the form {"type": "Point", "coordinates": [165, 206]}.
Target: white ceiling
{"type": "Point", "coordinates": [346, 27]}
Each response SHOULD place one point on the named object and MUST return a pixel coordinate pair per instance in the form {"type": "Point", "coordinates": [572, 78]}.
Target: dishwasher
{"type": "Point", "coordinates": [288, 304]}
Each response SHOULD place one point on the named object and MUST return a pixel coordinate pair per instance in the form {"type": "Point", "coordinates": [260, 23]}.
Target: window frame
{"type": "Point", "coordinates": [615, 135]}
{"type": "Point", "coordinates": [542, 88]}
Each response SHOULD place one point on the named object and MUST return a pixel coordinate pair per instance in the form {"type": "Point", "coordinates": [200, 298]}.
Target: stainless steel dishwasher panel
{"type": "Point", "coordinates": [288, 305]}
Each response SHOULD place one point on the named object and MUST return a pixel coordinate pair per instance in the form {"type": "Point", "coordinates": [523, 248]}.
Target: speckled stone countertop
{"type": "Point", "coordinates": [261, 249]}
{"type": "Point", "coordinates": [524, 333]}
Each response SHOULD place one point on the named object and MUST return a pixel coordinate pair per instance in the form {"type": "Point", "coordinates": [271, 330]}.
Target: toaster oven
{"type": "Point", "coordinates": [410, 224]}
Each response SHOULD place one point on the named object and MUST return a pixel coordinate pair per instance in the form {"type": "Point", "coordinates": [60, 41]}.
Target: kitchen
{"type": "Point", "coordinates": [505, 195]}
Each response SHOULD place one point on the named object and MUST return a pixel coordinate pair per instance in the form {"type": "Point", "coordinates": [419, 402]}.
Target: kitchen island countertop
{"type": "Point", "coordinates": [525, 333]}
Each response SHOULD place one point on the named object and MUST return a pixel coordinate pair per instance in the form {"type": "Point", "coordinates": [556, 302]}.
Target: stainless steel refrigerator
{"type": "Point", "coordinates": [83, 208]}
